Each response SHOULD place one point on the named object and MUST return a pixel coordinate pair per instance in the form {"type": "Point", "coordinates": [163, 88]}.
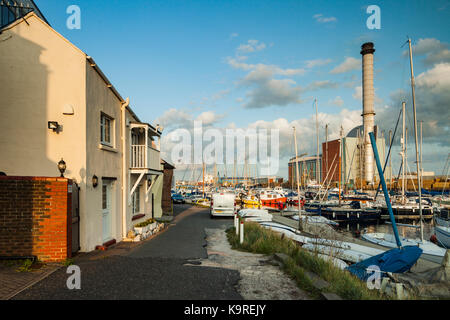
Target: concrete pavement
{"type": "Point", "coordinates": [154, 269]}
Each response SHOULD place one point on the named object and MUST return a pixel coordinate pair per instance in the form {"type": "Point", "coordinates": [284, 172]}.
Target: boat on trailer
{"type": "Point", "coordinates": [443, 236]}
{"type": "Point", "coordinates": [431, 251]}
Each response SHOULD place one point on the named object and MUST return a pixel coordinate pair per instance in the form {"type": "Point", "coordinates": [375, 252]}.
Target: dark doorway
{"type": "Point", "coordinates": [75, 218]}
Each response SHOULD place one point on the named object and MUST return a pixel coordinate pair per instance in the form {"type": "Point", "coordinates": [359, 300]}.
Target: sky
{"type": "Point", "coordinates": [260, 64]}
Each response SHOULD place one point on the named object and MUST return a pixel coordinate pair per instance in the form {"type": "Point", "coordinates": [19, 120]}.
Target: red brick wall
{"type": "Point", "coordinates": [333, 150]}
{"type": "Point", "coordinates": [35, 217]}
{"type": "Point", "coordinates": [166, 202]}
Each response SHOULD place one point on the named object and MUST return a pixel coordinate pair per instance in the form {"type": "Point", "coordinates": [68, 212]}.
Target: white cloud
{"type": "Point", "coordinates": [272, 92]}
{"type": "Point", "coordinates": [321, 19]}
{"type": "Point", "coordinates": [337, 101]}
{"type": "Point", "coordinates": [234, 35]}
{"type": "Point", "coordinates": [176, 119]}
{"type": "Point", "coordinates": [433, 51]}
{"type": "Point", "coordinates": [220, 95]}
{"type": "Point", "coordinates": [209, 118]}
{"type": "Point", "coordinates": [324, 84]}
{"type": "Point", "coordinates": [432, 106]}
{"type": "Point", "coordinates": [264, 89]}
{"type": "Point", "coordinates": [251, 46]}
{"type": "Point", "coordinates": [357, 94]}
{"type": "Point", "coordinates": [349, 64]}
{"type": "Point", "coordinates": [318, 62]}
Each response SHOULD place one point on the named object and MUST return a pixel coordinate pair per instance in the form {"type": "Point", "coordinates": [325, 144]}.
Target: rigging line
{"type": "Point", "coordinates": [350, 167]}
{"type": "Point", "coordinates": [412, 180]}
{"type": "Point", "coordinates": [389, 152]}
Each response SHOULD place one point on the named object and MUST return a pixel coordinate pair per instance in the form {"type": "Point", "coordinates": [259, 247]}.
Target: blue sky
{"type": "Point", "coordinates": [183, 55]}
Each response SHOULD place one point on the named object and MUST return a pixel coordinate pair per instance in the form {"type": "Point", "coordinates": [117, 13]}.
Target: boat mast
{"type": "Point", "coordinates": [421, 141]}
{"type": "Point", "coordinates": [215, 175]}
{"type": "Point", "coordinates": [326, 148]}
{"type": "Point", "coordinates": [317, 134]}
{"type": "Point", "coordinates": [403, 152]}
{"type": "Point", "coordinates": [340, 164]}
{"type": "Point", "coordinates": [234, 174]}
{"type": "Point", "coordinates": [419, 175]}
{"type": "Point", "coordinates": [203, 183]}
{"type": "Point", "coordinates": [300, 227]}
{"type": "Point", "coordinates": [360, 159]}
{"type": "Point", "coordinates": [390, 163]}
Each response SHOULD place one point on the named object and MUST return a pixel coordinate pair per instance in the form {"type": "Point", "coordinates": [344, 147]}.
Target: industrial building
{"type": "Point", "coordinates": [307, 170]}
{"type": "Point", "coordinates": [349, 159]}
{"type": "Point", "coordinates": [352, 160]}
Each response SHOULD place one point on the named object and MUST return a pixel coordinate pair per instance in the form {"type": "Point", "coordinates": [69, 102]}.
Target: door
{"type": "Point", "coordinates": [106, 211]}
{"type": "Point", "coordinates": [75, 218]}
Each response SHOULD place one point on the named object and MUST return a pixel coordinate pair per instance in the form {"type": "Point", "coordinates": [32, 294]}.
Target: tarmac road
{"type": "Point", "coordinates": [153, 270]}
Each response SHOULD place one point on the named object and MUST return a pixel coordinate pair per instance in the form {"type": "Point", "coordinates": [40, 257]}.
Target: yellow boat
{"type": "Point", "coordinates": [251, 201]}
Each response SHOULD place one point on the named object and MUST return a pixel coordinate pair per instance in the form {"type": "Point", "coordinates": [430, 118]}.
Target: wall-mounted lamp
{"type": "Point", "coordinates": [94, 181]}
{"type": "Point", "coordinates": [62, 167]}
{"type": "Point", "coordinates": [54, 126]}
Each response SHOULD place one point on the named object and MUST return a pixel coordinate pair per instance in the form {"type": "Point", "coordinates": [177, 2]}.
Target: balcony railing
{"type": "Point", "coordinates": [143, 157]}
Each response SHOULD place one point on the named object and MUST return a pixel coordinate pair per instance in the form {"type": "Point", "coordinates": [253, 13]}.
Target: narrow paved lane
{"type": "Point", "coordinates": [154, 270]}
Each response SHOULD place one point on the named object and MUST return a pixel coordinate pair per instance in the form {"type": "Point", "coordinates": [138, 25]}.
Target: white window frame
{"type": "Point", "coordinates": [136, 201]}
{"type": "Point", "coordinates": [103, 126]}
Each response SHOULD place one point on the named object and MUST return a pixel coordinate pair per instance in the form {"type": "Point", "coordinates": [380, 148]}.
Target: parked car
{"type": "Point", "coordinates": [177, 198]}
{"type": "Point", "coordinates": [223, 204]}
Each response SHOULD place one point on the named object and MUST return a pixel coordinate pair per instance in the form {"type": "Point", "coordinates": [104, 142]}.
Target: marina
{"type": "Point", "coordinates": [382, 220]}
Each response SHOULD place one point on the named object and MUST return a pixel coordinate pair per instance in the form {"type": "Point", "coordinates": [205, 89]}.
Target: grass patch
{"type": "Point", "coordinates": [25, 266]}
{"type": "Point", "coordinates": [68, 262]}
{"type": "Point", "coordinates": [145, 223]}
{"type": "Point", "coordinates": [264, 241]}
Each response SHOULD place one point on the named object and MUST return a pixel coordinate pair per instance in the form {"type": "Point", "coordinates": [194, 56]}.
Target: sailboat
{"type": "Point", "coordinates": [403, 207]}
{"type": "Point", "coordinates": [431, 251]}
{"type": "Point", "coordinates": [443, 235]}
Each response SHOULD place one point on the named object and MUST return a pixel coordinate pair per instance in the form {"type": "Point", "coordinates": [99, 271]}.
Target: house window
{"type": "Point", "coordinates": [136, 200]}
{"type": "Point", "coordinates": [104, 197]}
{"type": "Point", "coordinates": [106, 129]}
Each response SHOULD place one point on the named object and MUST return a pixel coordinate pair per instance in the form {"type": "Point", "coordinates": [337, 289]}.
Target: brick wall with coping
{"type": "Point", "coordinates": [35, 217]}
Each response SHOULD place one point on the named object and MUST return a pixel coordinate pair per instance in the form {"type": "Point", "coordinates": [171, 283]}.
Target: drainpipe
{"type": "Point", "coordinates": [124, 169]}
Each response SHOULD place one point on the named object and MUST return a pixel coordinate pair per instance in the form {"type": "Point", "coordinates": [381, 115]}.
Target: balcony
{"type": "Point", "coordinates": [144, 158]}
{"type": "Point", "coordinates": [145, 155]}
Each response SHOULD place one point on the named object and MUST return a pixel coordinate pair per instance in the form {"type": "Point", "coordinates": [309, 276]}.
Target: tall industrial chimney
{"type": "Point", "coordinates": [368, 114]}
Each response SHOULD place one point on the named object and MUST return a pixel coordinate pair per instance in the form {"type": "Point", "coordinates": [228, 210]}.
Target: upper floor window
{"type": "Point", "coordinates": [106, 129]}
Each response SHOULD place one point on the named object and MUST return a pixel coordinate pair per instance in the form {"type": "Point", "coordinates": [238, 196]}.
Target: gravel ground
{"type": "Point", "coordinates": [261, 279]}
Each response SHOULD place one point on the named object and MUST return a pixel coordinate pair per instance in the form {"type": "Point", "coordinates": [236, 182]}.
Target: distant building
{"type": "Point", "coordinates": [352, 158]}
{"type": "Point", "coordinates": [306, 168]}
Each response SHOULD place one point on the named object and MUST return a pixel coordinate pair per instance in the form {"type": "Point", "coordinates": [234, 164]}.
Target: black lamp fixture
{"type": "Point", "coordinates": [62, 167]}
{"type": "Point", "coordinates": [94, 181]}
{"type": "Point", "coordinates": [53, 125]}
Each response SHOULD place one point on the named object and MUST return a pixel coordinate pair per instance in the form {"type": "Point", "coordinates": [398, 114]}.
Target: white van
{"type": "Point", "coordinates": [223, 204]}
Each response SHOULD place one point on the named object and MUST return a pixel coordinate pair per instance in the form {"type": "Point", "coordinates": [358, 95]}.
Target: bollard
{"type": "Point", "coordinates": [236, 223]}
{"type": "Point", "coordinates": [241, 232]}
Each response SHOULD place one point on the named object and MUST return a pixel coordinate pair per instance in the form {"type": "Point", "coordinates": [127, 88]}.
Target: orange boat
{"type": "Point", "coordinates": [272, 199]}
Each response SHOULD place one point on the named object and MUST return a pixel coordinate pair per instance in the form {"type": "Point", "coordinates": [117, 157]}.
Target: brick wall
{"type": "Point", "coordinates": [35, 217]}
{"type": "Point", "coordinates": [327, 162]}
{"type": "Point", "coordinates": [166, 202]}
